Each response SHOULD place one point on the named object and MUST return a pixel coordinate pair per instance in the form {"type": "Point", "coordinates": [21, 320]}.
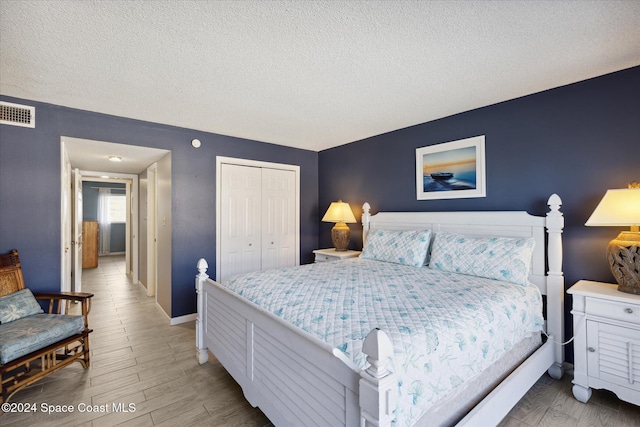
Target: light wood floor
{"type": "Point", "coordinates": [138, 359]}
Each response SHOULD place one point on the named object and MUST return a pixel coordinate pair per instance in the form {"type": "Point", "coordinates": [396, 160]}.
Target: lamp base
{"type": "Point", "coordinates": [340, 235]}
{"type": "Point", "coordinates": [623, 256]}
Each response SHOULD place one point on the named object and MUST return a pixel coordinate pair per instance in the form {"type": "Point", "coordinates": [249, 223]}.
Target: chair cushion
{"type": "Point", "coordinates": [32, 333]}
{"type": "Point", "coordinates": [18, 305]}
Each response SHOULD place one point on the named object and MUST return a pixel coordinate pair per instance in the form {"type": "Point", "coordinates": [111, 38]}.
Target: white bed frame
{"type": "Point", "coordinates": [296, 379]}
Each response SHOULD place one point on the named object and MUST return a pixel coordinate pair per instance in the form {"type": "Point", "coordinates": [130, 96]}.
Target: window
{"type": "Point", "coordinates": [117, 208]}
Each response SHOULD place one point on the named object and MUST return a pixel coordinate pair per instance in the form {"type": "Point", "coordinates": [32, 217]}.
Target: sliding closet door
{"type": "Point", "coordinates": [278, 218]}
{"type": "Point", "coordinates": [241, 220]}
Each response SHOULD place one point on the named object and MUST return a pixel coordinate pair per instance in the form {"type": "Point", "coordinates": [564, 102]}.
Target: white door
{"type": "Point", "coordinates": [65, 283]}
{"type": "Point", "coordinates": [77, 231]}
{"type": "Point", "coordinates": [278, 218]}
{"type": "Point", "coordinates": [240, 233]}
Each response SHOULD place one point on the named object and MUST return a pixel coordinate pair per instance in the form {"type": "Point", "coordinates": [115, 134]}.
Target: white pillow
{"type": "Point", "coordinates": [408, 247]}
{"type": "Point", "coordinates": [500, 258]}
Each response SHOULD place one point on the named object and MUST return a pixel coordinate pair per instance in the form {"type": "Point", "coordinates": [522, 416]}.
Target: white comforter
{"type": "Point", "coordinates": [445, 327]}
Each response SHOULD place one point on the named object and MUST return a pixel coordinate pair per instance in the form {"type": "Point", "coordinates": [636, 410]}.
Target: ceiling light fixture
{"type": "Point", "coordinates": [115, 158]}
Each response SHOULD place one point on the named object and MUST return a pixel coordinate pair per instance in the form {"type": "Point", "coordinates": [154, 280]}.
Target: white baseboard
{"type": "Point", "coordinates": [183, 319]}
{"type": "Point", "coordinates": [180, 319]}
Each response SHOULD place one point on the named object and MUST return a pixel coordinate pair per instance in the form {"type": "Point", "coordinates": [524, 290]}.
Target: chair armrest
{"type": "Point", "coordinates": [58, 297]}
{"type": "Point", "coordinates": [73, 296]}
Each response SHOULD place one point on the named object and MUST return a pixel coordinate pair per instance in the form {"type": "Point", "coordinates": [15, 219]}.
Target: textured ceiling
{"type": "Point", "coordinates": [305, 74]}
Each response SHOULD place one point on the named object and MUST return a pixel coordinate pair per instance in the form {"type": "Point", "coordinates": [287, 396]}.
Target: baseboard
{"type": "Point", "coordinates": [180, 319]}
{"type": "Point", "coordinates": [183, 319]}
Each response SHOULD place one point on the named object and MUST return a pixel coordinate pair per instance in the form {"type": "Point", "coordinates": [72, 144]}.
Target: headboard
{"type": "Point", "coordinates": [547, 253]}
{"type": "Point", "coordinates": [500, 223]}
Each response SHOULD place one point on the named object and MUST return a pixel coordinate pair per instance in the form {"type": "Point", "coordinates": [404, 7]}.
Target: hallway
{"type": "Point", "coordinates": [137, 360]}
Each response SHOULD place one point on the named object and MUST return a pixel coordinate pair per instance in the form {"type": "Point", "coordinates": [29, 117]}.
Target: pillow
{"type": "Point", "coordinates": [408, 247]}
{"type": "Point", "coordinates": [18, 305]}
{"type": "Point", "coordinates": [500, 258]}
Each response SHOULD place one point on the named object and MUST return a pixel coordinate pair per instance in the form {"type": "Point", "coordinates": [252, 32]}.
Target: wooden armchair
{"type": "Point", "coordinates": [34, 344]}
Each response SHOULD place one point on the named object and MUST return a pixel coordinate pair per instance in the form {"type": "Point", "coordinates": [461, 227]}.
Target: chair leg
{"type": "Point", "coordinates": [15, 378]}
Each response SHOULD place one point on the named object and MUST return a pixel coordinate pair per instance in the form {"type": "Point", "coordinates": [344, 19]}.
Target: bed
{"type": "Point", "coordinates": [314, 370]}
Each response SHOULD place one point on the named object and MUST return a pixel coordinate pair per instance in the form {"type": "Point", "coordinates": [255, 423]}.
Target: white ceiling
{"type": "Point", "coordinates": [93, 156]}
{"type": "Point", "coordinates": [312, 74]}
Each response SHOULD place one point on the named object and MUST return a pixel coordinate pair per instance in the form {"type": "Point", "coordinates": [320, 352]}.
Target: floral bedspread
{"type": "Point", "coordinates": [445, 327]}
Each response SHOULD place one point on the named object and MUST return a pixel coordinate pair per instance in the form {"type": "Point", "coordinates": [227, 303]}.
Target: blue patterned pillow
{"type": "Point", "coordinates": [407, 247]}
{"type": "Point", "coordinates": [500, 258]}
{"type": "Point", "coordinates": [18, 305]}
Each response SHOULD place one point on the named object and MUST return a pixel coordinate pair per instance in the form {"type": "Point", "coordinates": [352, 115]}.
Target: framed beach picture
{"type": "Point", "coordinates": [451, 170]}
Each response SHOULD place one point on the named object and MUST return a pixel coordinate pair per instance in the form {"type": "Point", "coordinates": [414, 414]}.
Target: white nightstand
{"type": "Point", "coordinates": [324, 255]}
{"type": "Point", "coordinates": [606, 325]}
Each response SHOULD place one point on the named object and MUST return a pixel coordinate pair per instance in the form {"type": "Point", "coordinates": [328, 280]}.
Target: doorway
{"type": "Point", "coordinates": [108, 216]}
{"type": "Point", "coordinates": [91, 158]}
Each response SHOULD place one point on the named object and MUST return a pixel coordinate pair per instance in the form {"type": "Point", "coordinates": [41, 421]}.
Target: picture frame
{"type": "Point", "coordinates": [451, 170]}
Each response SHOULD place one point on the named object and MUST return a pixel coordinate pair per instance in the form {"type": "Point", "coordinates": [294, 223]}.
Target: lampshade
{"type": "Point", "coordinates": [617, 208]}
{"type": "Point", "coordinates": [339, 212]}
{"type": "Point", "coordinates": [622, 208]}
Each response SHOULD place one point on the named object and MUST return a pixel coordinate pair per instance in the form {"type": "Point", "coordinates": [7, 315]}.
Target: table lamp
{"type": "Point", "coordinates": [622, 208]}
{"type": "Point", "coordinates": [340, 213]}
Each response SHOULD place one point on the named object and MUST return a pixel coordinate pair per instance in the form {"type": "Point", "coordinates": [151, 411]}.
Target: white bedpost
{"type": "Point", "coordinates": [555, 284]}
{"type": "Point", "coordinates": [378, 385]}
{"type": "Point", "coordinates": [202, 354]}
{"type": "Point", "coordinates": [366, 224]}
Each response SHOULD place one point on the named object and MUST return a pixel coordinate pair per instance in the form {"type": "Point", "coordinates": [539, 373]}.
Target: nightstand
{"type": "Point", "coordinates": [324, 255]}
{"type": "Point", "coordinates": [606, 326]}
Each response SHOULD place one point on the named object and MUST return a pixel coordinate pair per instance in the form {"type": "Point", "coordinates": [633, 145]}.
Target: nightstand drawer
{"type": "Point", "coordinates": [326, 255]}
{"type": "Point", "coordinates": [624, 312]}
{"type": "Point", "coordinates": [324, 258]}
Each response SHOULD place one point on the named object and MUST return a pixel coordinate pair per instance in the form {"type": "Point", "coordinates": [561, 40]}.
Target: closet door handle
{"type": "Point", "coordinates": [628, 310]}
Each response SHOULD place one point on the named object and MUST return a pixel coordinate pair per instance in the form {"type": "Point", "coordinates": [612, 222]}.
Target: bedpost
{"type": "Point", "coordinates": [366, 218]}
{"type": "Point", "coordinates": [378, 384]}
{"type": "Point", "coordinates": [202, 353]}
{"type": "Point", "coordinates": [555, 284]}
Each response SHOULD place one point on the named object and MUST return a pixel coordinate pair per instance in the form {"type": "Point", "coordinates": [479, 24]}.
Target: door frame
{"type": "Point", "coordinates": [77, 216]}
{"type": "Point", "coordinates": [65, 219]}
{"type": "Point", "coordinates": [220, 160]}
{"type": "Point", "coordinates": [152, 231]}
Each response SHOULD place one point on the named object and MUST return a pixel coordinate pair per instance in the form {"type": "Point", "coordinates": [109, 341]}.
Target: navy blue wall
{"type": "Point", "coordinates": [577, 141]}
{"type": "Point", "coordinates": [30, 190]}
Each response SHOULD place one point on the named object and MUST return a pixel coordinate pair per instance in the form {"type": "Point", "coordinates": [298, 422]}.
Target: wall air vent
{"type": "Point", "coordinates": [17, 115]}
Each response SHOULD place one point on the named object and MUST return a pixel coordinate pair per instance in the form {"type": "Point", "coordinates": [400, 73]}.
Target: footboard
{"type": "Point", "coordinates": [295, 378]}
